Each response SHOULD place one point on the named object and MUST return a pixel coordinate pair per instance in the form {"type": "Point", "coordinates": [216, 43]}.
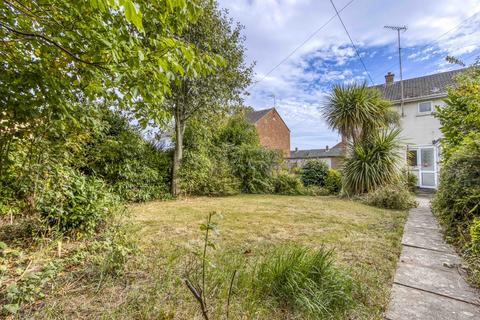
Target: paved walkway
{"type": "Point", "coordinates": [428, 284]}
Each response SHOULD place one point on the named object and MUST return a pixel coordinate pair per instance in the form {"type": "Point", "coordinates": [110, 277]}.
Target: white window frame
{"type": "Point", "coordinates": [425, 112]}
{"type": "Point", "coordinates": [419, 168]}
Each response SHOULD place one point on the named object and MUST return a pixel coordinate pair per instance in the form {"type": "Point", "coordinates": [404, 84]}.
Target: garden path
{"type": "Point", "coordinates": [429, 282]}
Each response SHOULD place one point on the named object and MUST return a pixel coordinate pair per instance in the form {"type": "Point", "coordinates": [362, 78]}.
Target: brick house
{"type": "Point", "coordinates": [272, 131]}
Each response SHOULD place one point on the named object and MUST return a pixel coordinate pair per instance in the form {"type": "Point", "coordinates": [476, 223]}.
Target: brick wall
{"type": "Point", "coordinates": [273, 133]}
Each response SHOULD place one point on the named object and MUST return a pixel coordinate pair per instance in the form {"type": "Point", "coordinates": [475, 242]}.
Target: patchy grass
{"type": "Point", "coordinates": [366, 242]}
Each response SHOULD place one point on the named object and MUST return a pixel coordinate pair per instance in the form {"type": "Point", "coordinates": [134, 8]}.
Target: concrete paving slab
{"type": "Point", "coordinates": [424, 239]}
{"type": "Point", "coordinates": [447, 282]}
{"type": "Point", "coordinates": [427, 219]}
{"type": "Point", "coordinates": [428, 285]}
{"type": "Point", "coordinates": [427, 223]}
{"type": "Point", "coordinates": [412, 304]}
{"type": "Point", "coordinates": [429, 258]}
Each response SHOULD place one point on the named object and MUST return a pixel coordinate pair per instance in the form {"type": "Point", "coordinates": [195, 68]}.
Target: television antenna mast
{"type": "Point", "coordinates": [398, 29]}
{"type": "Point", "coordinates": [274, 100]}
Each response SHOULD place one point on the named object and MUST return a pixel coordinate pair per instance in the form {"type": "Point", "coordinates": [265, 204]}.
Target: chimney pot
{"type": "Point", "coordinates": [296, 149]}
{"type": "Point", "coordinates": [326, 148]}
{"type": "Point", "coordinates": [389, 77]}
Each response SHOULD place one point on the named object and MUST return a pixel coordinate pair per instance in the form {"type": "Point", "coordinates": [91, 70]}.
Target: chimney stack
{"type": "Point", "coordinates": [389, 77]}
{"type": "Point", "coordinates": [326, 148]}
{"type": "Point", "coordinates": [296, 149]}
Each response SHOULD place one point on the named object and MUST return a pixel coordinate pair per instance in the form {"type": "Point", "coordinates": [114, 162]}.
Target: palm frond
{"type": "Point", "coordinates": [372, 162]}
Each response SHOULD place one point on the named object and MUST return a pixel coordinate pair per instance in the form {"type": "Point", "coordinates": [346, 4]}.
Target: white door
{"type": "Point", "coordinates": [423, 163]}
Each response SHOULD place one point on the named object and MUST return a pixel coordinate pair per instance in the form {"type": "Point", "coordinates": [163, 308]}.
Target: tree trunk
{"type": "Point", "coordinates": [178, 153]}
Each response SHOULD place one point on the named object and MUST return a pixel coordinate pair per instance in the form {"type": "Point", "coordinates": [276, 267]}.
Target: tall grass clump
{"type": "Point", "coordinates": [305, 281]}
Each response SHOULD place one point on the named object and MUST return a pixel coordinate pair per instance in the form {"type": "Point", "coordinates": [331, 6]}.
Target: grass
{"type": "Point", "coordinates": [366, 242]}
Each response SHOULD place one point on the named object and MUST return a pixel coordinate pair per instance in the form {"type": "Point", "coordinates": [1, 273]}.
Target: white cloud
{"type": "Point", "coordinates": [274, 28]}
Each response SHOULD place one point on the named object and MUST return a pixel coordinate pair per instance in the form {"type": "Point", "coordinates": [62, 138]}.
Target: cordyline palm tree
{"type": "Point", "coordinates": [366, 121]}
{"type": "Point", "coordinates": [372, 162]}
{"type": "Point", "coordinates": [356, 110]}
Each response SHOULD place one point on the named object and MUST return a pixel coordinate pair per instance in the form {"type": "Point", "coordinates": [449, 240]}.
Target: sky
{"type": "Point", "coordinates": [276, 28]}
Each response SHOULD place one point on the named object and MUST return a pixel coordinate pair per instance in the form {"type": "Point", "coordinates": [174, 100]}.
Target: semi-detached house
{"type": "Point", "coordinates": [420, 129]}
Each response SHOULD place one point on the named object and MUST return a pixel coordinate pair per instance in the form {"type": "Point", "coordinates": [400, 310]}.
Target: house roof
{"type": "Point", "coordinates": [336, 151]}
{"type": "Point", "coordinates": [419, 88]}
{"type": "Point", "coordinates": [254, 116]}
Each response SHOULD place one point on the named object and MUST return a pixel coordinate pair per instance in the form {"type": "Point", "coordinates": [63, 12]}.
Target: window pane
{"type": "Point", "coordinates": [412, 158]}
{"type": "Point", "coordinates": [428, 179]}
{"type": "Point", "coordinates": [427, 159]}
{"type": "Point", "coordinates": [425, 107]}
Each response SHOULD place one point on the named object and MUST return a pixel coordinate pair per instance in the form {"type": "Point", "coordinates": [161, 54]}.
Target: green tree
{"type": "Point", "coordinates": [193, 96]}
{"type": "Point", "coordinates": [460, 117]}
{"type": "Point", "coordinates": [63, 61]}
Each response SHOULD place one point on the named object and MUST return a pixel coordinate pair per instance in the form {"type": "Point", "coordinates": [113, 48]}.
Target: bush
{"type": "Point", "coordinates": [72, 202]}
{"type": "Point", "coordinates": [287, 183]}
{"type": "Point", "coordinates": [316, 191]}
{"type": "Point", "coordinates": [133, 168]}
{"type": "Point", "coordinates": [314, 173]}
{"type": "Point", "coordinates": [254, 166]}
{"type": "Point", "coordinates": [457, 200]}
{"type": "Point", "coordinates": [202, 175]}
{"type": "Point", "coordinates": [333, 181]}
{"type": "Point", "coordinates": [305, 280]}
{"type": "Point", "coordinates": [411, 181]}
{"type": "Point", "coordinates": [393, 196]}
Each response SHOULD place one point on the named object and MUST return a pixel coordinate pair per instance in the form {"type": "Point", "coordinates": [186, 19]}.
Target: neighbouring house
{"type": "Point", "coordinates": [420, 129]}
{"type": "Point", "coordinates": [333, 157]}
{"type": "Point", "coordinates": [273, 132]}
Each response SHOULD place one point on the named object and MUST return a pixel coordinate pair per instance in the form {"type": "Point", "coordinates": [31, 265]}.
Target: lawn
{"type": "Point", "coordinates": [366, 241]}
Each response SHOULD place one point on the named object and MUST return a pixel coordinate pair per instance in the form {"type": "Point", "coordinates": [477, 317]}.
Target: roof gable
{"type": "Point", "coordinates": [421, 87]}
{"type": "Point", "coordinates": [254, 116]}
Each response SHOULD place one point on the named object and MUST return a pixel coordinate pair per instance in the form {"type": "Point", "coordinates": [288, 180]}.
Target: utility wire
{"type": "Point", "coordinates": [302, 44]}
{"type": "Point", "coordinates": [439, 37]}
{"type": "Point", "coordinates": [351, 41]}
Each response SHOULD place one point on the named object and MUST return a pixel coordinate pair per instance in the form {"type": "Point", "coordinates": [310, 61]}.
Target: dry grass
{"type": "Point", "coordinates": [365, 239]}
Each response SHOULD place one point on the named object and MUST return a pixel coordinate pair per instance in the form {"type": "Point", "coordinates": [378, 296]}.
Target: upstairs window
{"type": "Point", "coordinates": [425, 107]}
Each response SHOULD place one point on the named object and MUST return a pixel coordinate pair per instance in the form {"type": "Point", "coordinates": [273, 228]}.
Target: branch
{"type": "Point", "coordinates": [39, 36]}
{"type": "Point", "coordinates": [230, 291]}
{"type": "Point", "coordinates": [197, 296]}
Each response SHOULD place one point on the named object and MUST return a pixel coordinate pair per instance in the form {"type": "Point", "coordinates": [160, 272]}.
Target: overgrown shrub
{"type": "Point", "coordinates": [254, 166]}
{"type": "Point", "coordinates": [314, 173]}
{"type": "Point", "coordinates": [134, 168]}
{"type": "Point", "coordinates": [393, 196]}
{"type": "Point", "coordinates": [411, 180]}
{"type": "Point", "coordinates": [287, 183]}
{"type": "Point", "coordinates": [305, 280]}
{"type": "Point", "coordinates": [457, 200]}
{"type": "Point", "coordinates": [333, 181]}
{"type": "Point", "coordinates": [72, 202]}
{"type": "Point", "coordinates": [317, 191]}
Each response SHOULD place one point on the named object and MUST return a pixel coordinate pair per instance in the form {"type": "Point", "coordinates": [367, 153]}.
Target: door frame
{"type": "Point", "coordinates": [418, 167]}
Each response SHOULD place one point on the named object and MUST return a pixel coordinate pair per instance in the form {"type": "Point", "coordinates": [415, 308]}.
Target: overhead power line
{"type": "Point", "coordinates": [302, 44]}
{"type": "Point", "coordinates": [351, 41]}
{"type": "Point", "coordinates": [439, 37]}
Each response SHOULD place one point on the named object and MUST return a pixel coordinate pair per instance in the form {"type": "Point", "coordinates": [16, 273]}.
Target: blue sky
{"type": "Point", "coordinates": [274, 28]}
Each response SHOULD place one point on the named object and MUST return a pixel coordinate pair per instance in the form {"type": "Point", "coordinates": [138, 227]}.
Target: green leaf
{"type": "Point", "coordinates": [11, 308]}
